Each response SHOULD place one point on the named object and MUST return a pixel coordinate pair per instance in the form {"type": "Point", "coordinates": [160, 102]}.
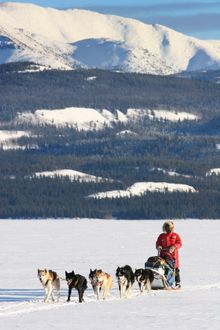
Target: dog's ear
{"type": "Point", "coordinates": [66, 272]}
{"type": "Point", "coordinates": [45, 270]}
{"type": "Point", "coordinates": [73, 272]}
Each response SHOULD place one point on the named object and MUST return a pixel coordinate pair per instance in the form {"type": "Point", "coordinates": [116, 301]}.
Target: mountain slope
{"type": "Point", "coordinates": [80, 38]}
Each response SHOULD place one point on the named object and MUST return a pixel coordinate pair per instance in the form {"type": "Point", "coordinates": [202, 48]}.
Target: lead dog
{"type": "Point", "coordinates": [50, 280]}
{"type": "Point", "coordinates": [78, 282]}
{"type": "Point", "coordinates": [104, 281]}
{"type": "Point", "coordinates": [126, 279]}
{"type": "Point", "coordinates": [144, 277]}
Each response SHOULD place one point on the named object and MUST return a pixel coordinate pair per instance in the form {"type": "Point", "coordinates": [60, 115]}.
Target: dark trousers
{"type": "Point", "coordinates": [177, 275]}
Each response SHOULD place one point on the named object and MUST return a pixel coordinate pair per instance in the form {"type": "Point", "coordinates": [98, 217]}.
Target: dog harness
{"type": "Point", "coordinates": [100, 283]}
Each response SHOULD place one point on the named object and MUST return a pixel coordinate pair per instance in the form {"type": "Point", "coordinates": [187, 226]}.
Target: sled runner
{"type": "Point", "coordinates": [162, 270]}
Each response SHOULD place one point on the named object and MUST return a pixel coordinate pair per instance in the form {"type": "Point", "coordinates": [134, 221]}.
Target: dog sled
{"type": "Point", "coordinates": [163, 271]}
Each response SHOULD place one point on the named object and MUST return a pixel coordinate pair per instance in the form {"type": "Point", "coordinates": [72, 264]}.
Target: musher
{"type": "Point", "coordinates": [168, 243]}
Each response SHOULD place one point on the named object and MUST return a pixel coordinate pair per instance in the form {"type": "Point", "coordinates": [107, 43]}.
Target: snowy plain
{"type": "Point", "coordinates": [81, 244]}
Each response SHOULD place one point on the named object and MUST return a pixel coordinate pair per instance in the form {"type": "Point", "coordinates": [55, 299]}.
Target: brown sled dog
{"type": "Point", "coordinates": [104, 282]}
{"type": "Point", "coordinates": [50, 280]}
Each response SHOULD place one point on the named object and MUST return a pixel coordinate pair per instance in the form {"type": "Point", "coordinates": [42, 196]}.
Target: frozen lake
{"type": "Point", "coordinates": [83, 244]}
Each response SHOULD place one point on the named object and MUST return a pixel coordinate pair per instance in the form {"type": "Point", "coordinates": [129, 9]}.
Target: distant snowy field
{"type": "Point", "coordinates": [140, 188]}
{"type": "Point", "coordinates": [71, 174]}
{"type": "Point", "coordinates": [83, 244]}
{"type": "Point", "coordinates": [95, 119]}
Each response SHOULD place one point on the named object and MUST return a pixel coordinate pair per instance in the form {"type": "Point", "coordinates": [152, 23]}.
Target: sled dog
{"type": "Point", "coordinates": [50, 281]}
{"type": "Point", "coordinates": [95, 283]}
{"type": "Point", "coordinates": [78, 282]}
{"type": "Point", "coordinates": [144, 277]}
{"type": "Point", "coordinates": [104, 282]}
{"type": "Point", "coordinates": [126, 279]}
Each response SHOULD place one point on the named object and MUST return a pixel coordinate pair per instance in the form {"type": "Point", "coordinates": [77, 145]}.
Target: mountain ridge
{"type": "Point", "coordinates": [73, 38]}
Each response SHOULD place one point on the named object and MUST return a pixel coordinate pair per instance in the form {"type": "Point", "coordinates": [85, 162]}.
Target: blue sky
{"type": "Point", "coordinates": [199, 18]}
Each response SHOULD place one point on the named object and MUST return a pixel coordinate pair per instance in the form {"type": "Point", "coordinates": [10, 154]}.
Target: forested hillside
{"type": "Point", "coordinates": [55, 89]}
{"type": "Point", "coordinates": [143, 150]}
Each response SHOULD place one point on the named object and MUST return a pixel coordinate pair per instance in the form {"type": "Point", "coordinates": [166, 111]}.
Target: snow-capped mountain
{"type": "Point", "coordinates": [78, 38]}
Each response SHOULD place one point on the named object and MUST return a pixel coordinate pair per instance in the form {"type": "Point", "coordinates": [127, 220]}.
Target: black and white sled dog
{"type": "Point", "coordinates": [50, 280]}
{"type": "Point", "coordinates": [144, 277]}
{"type": "Point", "coordinates": [125, 277]}
{"type": "Point", "coordinates": [78, 282]}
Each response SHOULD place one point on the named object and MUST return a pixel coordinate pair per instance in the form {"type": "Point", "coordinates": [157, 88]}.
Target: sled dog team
{"type": "Point", "coordinates": [167, 244]}
{"type": "Point", "coordinates": [99, 280]}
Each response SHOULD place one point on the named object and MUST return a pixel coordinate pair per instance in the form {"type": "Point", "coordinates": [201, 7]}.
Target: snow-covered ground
{"type": "Point", "coordinates": [35, 68]}
{"type": "Point", "coordinates": [71, 174]}
{"type": "Point", "coordinates": [140, 188]}
{"type": "Point", "coordinates": [80, 118]}
{"type": "Point", "coordinates": [8, 139]}
{"type": "Point", "coordinates": [83, 244]}
{"type": "Point", "coordinates": [171, 172]}
{"type": "Point", "coordinates": [90, 119]}
{"type": "Point", "coordinates": [72, 38]}
{"type": "Point", "coordinates": [126, 133]}
{"type": "Point", "coordinates": [213, 171]}
{"type": "Point", "coordinates": [173, 116]}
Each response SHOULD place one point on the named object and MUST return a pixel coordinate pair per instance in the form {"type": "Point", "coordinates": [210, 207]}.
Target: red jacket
{"type": "Point", "coordinates": [166, 241]}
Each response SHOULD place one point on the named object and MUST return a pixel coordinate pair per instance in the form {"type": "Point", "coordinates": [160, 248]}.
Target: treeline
{"type": "Point", "coordinates": [123, 167]}
{"type": "Point", "coordinates": [156, 139]}
{"type": "Point", "coordinates": [210, 75]}
{"type": "Point", "coordinates": [40, 198]}
{"type": "Point", "coordinates": [56, 89]}
{"type": "Point", "coordinates": [147, 154]}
